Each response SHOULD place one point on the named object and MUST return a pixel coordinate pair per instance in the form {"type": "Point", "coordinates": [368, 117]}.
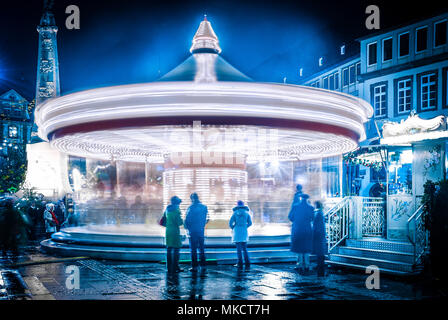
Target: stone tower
{"type": "Point", "coordinates": [47, 83]}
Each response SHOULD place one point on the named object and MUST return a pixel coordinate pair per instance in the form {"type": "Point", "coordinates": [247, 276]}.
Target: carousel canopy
{"type": "Point", "coordinates": [150, 121]}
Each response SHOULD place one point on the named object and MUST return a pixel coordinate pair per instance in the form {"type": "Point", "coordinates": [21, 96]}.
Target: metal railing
{"type": "Point", "coordinates": [418, 234]}
{"type": "Point", "coordinates": [373, 220]}
{"type": "Point", "coordinates": [337, 221]}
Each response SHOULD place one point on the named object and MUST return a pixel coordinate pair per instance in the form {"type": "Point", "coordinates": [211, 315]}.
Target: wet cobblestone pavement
{"type": "Point", "coordinates": [118, 280]}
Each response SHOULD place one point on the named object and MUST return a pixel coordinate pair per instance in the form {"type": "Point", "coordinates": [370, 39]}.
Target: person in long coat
{"type": "Point", "coordinates": [239, 222]}
{"type": "Point", "coordinates": [172, 235]}
{"type": "Point", "coordinates": [195, 221]}
{"type": "Point", "coordinates": [320, 246]}
{"type": "Point", "coordinates": [301, 215]}
{"type": "Point", "coordinates": [13, 229]}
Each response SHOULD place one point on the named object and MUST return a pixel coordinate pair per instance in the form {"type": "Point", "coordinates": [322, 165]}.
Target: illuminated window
{"type": "Point", "coordinates": [400, 171]}
{"type": "Point", "coordinates": [13, 131]}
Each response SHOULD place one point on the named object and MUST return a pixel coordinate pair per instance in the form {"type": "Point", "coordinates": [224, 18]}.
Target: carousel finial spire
{"type": "Point", "coordinates": [205, 39]}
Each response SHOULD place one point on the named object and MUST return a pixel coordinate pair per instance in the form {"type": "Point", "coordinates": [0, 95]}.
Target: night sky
{"type": "Point", "coordinates": [130, 41]}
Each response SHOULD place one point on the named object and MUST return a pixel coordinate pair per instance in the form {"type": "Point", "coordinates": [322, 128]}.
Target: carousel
{"type": "Point", "coordinates": [201, 128]}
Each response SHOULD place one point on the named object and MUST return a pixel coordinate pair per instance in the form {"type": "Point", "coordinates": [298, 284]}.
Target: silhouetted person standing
{"type": "Point", "coordinates": [320, 246]}
{"type": "Point", "coordinates": [172, 235]}
{"type": "Point", "coordinates": [239, 222]}
{"type": "Point", "coordinates": [13, 229]}
{"type": "Point", "coordinates": [298, 193]}
{"type": "Point", "coordinates": [301, 215]}
{"type": "Point", "coordinates": [195, 222]}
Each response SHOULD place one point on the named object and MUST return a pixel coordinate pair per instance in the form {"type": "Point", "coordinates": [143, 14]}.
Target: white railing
{"type": "Point", "coordinates": [418, 234]}
{"type": "Point", "coordinates": [373, 220]}
{"type": "Point", "coordinates": [337, 221]}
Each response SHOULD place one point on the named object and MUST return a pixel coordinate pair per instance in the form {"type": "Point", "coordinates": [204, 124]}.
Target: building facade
{"type": "Point", "coordinates": [402, 73]}
{"type": "Point", "coordinates": [15, 122]}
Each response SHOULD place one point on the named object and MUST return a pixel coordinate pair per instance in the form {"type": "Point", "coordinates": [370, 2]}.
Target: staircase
{"type": "Point", "coordinates": [390, 257]}
{"type": "Point", "coordinates": [355, 227]}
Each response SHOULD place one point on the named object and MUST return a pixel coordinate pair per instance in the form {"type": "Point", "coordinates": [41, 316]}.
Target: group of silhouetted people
{"type": "Point", "coordinates": [195, 221]}
{"type": "Point", "coordinates": [307, 232]}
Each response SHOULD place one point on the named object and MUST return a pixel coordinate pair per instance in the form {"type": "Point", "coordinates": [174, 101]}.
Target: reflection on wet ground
{"type": "Point", "coordinates": [118, 280]}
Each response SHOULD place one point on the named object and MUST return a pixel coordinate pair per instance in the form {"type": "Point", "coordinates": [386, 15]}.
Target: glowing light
{"type": "Point", "coordinates": [406, 156]}
{"type": "Point", "coordinates": [77, 179]}
{"type": "Point", "coordinates": [205, 38]}
{"type": "Point", "coordinates": [321, 61]}
{"type": "Point", "coordinates": [219, 188]}
{"type": "Point", "coordinates": [47, 170]}
{"type": "Point", "coordinates": [186, 99]}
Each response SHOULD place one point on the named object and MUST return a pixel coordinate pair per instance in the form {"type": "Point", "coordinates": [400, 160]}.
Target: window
{"type": "Point", "coordinates": [318, 84]}
{"type": "Point", "coordinates": [387, 49]}
{"type": "Point", "coordinates": [352, 74]}
{"type": "Point", "coordinates": [428, 91]}
{"type": "Point", "coordinates": [336, 80]}
{"type": "Point", "coordinates": [404, 95]}
{"type": "Point", "coordinates": [379, 99]}
{"type": "Point", "coordinates": [440, 33]}
{"type": "Point", "coordinates": [12, 132]}
{"type": "Point", "coordinates": [400, 173]}
{"type": "Point", "coordinates": [345, 77]}
{"type": "Point", "coordinates": [371, 54]}
{"type": "Point", "coordinates": [403, 44]}
{"type": "Point", "coordinates": [331, 81]}
{"type": "Point", "coordinates": [330, 166]}
{"type": "Point", "coordinates": [421, 39]}
{"type": "Point", "coordinates": [358, 68]}
{"type": "Point", "coordinates": [325, 84]}
{"type": "Point", "coordinates": [445, 87]}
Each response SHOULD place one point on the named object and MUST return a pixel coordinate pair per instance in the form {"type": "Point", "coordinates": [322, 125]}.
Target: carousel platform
{"type": "Point", "coordinates": [139, 242]}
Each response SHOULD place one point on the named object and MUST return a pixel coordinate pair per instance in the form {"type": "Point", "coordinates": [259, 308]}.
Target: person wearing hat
{"type": "Point", "coordinates": [51, 221]}
{"type": "Point", "coordinates": [195, 221]}
{"type": "Point", "coordinates": [298, 193]}
{"type": "Point", "coordinates": [239, 222]}
{"type": "Point", "coordinates": [173, 238]}
{"type": "Point", "coordinates": [301, 215]}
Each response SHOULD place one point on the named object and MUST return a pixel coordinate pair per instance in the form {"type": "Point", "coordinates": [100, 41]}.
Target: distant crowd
{"type": "Point", "coordinates": [32, 219]}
